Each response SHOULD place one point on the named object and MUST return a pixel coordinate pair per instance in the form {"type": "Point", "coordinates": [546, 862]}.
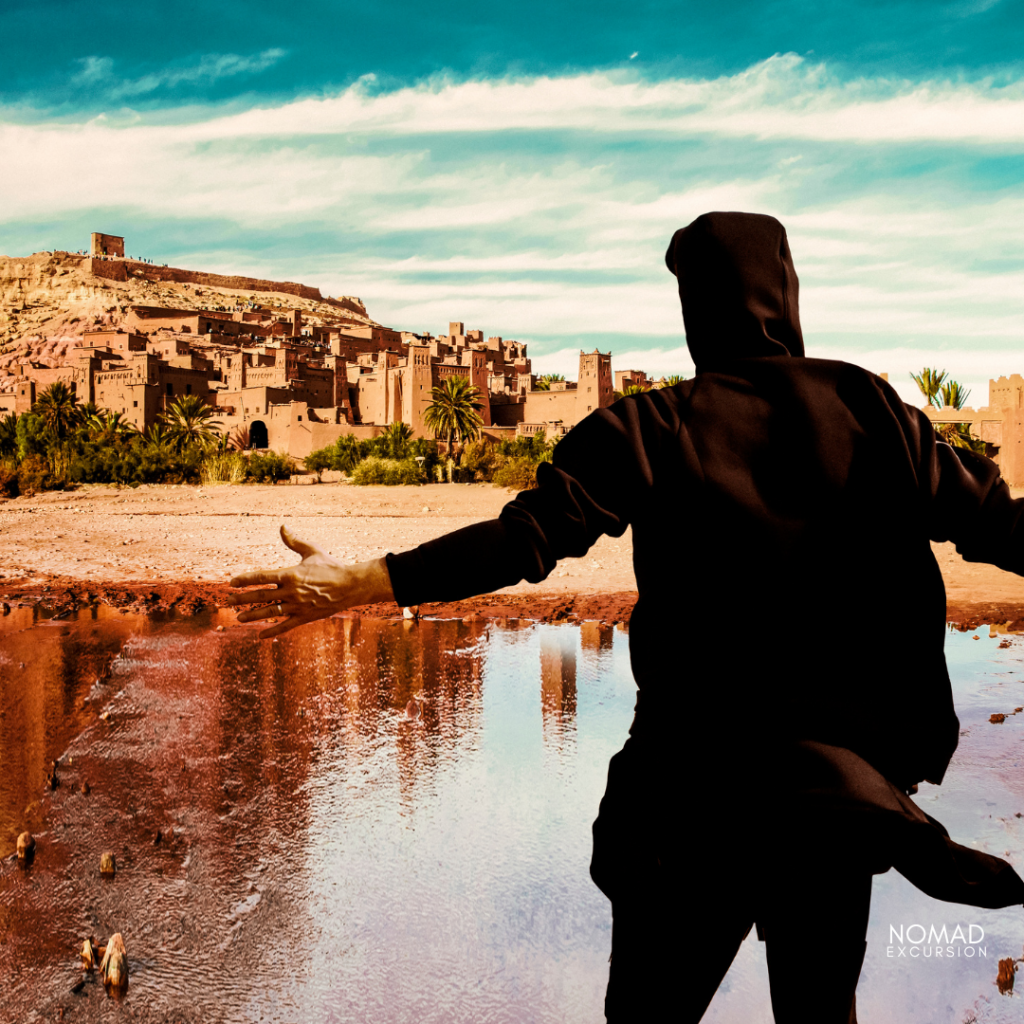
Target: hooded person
{"type": "Point", "coordinates": [767, 773]}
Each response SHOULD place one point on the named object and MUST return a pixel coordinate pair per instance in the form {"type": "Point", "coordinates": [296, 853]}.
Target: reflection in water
{"type": "Point", "coordinates": [558, 683]}
{"type": "Point", "coordinates": [291, 842]}
{"type": "Point", "coordinates": [294, 844]}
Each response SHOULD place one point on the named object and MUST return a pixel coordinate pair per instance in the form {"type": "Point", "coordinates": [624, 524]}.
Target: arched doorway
{"type": "Point", "coordinates": [258, 435]}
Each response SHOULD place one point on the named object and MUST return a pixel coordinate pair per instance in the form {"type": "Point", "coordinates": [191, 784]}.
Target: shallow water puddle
{"type": "Point", "coordinates": [383, 821]}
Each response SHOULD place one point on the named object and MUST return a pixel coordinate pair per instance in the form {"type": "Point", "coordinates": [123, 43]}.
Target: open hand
{"type": "Point", "coordinates": [317, 587]}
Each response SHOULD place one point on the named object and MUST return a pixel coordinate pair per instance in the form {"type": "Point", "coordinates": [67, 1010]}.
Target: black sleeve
{"type": "Point", "coordinates": [600, 474]}
{"type": "Point", "coordinates": [969, 503]}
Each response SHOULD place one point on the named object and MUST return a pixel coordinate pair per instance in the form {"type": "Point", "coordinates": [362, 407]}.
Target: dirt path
{"type": "Point", "coordinates": [185, 542]}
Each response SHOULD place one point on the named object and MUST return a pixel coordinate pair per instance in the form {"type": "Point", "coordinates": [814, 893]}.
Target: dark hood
{"type": "Point", "coordinates": [738, 288]}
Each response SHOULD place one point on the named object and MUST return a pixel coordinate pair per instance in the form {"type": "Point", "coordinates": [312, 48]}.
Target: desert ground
{"type": "Point", "coordinates": [164, 544]}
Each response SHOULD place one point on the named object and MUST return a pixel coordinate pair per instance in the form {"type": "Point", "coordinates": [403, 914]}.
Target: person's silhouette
{"type": "Point", "coordinates": [781, 509]}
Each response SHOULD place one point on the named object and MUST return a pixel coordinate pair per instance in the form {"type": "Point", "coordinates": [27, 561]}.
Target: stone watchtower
{"type": "Point", "coordinates": [595, 373]}
{"type": "Point", "coordinates": [106, 245]}
{"type": "Point", "coordinates": [417, 381]}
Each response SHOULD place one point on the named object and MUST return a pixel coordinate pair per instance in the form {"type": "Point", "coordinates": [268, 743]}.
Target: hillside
{"type": "Point", "coordinates": [47, 300]}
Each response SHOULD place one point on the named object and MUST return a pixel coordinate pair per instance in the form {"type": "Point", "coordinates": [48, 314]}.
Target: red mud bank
{"type": "Point", "coordinates": [63, 595]}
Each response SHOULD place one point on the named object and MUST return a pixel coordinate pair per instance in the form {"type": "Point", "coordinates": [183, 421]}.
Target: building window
{"type": "Point", "coordinates": [135, 405]}
{"type": "Point", "coordinates": [170, 389]}
{"type": "Point", "coordinates": [300, 419]}
{"type": "Point", "coordinates": [188, 389]}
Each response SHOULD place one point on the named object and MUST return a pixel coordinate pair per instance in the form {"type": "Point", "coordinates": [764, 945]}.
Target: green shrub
{"type": "Point", "coordinates": [374, 470]}
{"type": "Point", "coordinates": [319, 460]}
{"type": "Point", "coordinates": [133, 461]}
{"type": "Point", "coordinates": [9, 479]}
{"type": "Point", "coordinates": [34, 475]}
{"type": "Point", "coordinates": [517, 473]}
{"type": "Point", "coordinates": [347, 452]}
{"type": "Point", "coordinates": [31, 435]}
{"type": "Point", "coordinates": [226, 468]}
{"type": "Point", "coordinates": [272, 466]}
{"type": "Point", "coordinates": [478, 461]}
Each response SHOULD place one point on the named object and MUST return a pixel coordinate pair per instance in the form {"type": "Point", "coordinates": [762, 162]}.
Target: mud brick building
{"type": "Point", "coordinates": [288, 378]}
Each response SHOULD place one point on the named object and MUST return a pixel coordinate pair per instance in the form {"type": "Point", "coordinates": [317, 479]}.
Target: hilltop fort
{"type": "Point", "coordinates": [285, 367]}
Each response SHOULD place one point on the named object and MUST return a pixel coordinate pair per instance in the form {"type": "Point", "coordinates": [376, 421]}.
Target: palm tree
{"type": "Point", "coordinates": [189, 421]}
{"type": "Point", "coordinates": [672, 380]}
{"type": "Point", "coordinates": [157, 439]}
{"type": "Point", "coordinates": [954, 394]}
{"type": "Point", "coordinates": [929, 381]}
{"type": "Point", "coordinates": [632, 389]}
{"type": "Point", "coordinates": [395, 439]}
{"type": "Point", "coordinates": [453, 411]}
{"type": "Point", "coordinates": [59, 410]}
{"type": "Point", "coordinates": [107, 426]}
{"type": "Point", "coordinates": [239, 439]}
{"type": "Point", "coordinates": [959, 436]}
{"type": "Point", "coordinates": [544, 383]}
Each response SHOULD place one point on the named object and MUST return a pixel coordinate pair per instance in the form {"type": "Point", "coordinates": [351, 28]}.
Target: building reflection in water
{"type": "Point", "coordinates": [558, 683]}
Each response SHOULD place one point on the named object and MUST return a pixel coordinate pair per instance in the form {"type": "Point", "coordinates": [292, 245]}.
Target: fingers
{"type": "Point", "coordinates": [300, 547]}
{"type": "Point", "coordinates": [254, 579]}
{"type": "Point", "coordinates": [264, 611]}
{"type": "Point", "coordinates": [254, 597]}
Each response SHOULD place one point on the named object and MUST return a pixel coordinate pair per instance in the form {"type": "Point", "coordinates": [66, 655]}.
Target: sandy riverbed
{"type": "Point", "coordinates": [189, 541]}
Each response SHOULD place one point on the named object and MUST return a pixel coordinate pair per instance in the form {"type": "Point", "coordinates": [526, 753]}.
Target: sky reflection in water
{"type": "Point", "coordinates": [330, 852]}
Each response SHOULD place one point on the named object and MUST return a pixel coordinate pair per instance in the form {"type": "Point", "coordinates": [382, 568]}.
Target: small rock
{"type": "Point", "coordinates": [5, 608]}
{"type": "Point", "coordinates": [84, 788]}
{"type": "Point", "coordinates": [26, 847]}
{"type": "Point", "coordinates": [412, 612]}
{"type": "Point", "coordinates": [975, 637]}
{"type": "Point", "coordinates": [1004, 980]}
{"type": "Point", "coordinates": [996, 719]}
{"type": "Point", "coordinates": [220, 629]}
{"type": "Point", "coordinates": [108, 865]}
{"type": "Point", "coordinates": [114, 968]}
{"type": "Point", "coordinates": [412, 710]}
{"type": "Point", "coordinates": [88, 955]}
{"type": "Point", "coordinates": [105, 715]}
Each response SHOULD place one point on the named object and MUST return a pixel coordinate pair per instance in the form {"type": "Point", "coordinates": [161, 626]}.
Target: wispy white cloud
{"type": "Point", "coordinates": [98, 73]}
{"type": "Point", "coordinates": [429, 205]}
{"type": "Point", "coordinates": [784, 97]}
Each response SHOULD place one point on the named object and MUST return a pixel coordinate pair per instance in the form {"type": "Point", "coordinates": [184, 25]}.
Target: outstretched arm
{"type": "Point", "coordinates": [598, 477]}
{"type": "Point", "coordinates": [972, 506]}
{"type": "Point", "coordinates": [317, 587]}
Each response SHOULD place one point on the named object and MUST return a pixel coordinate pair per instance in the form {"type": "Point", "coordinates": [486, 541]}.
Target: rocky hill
{"type": "Point", "coordinates": [47, 300]}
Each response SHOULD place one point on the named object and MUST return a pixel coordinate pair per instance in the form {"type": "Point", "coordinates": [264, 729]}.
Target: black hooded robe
{"type": "Point", "coordinates": [781, 509]}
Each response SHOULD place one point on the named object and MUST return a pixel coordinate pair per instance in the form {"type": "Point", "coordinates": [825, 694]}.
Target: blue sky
{"type": "Point", "coordinates": [521, 167]}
